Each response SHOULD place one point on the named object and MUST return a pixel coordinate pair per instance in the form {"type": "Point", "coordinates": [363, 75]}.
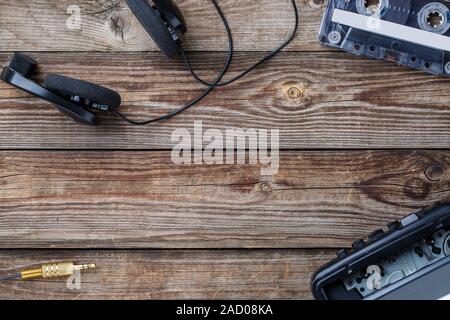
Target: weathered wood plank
{"type": "Point", "coordinates": [300, 94]}
{"type": "Point", "coordinates": [242, 274]}
{"type": "Point", "coordinates": [108, 25]}
{"type": "Point", "coordinates": [142, 200]}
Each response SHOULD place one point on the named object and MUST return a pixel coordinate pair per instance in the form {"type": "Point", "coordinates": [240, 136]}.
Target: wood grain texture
{"type": "Point", "coordinates": [108, 25]}
{"type": "Point", "coordinates": [230, 274]}
{"type": "Point", "coordinates": [97, 202]}
{"type": "Point", "coordinates": [300, 94]}
{"type": "Point", "coordinates": [141, 200]}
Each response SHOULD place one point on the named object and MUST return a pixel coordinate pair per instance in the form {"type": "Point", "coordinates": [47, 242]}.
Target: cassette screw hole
{"type": "Point", "coordinates": [357, 47]}
{"type": "Point", "coordinates": [372, 48]}
{"type": "Point", "coordinates": [334, 37]}
{"type": "Point", "coordinates": [427, 65]}
{"type": "Point", "coordinates": [395, 45]}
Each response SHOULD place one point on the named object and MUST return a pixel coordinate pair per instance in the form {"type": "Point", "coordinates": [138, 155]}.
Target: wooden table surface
{"type": "Point", "coordinates": [362, 143]}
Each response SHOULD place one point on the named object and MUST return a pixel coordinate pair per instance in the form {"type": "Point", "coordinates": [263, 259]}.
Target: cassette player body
{"type": "Point", "coordinates": [410, 260]}
{"type": "Point", "coordinates": [414, 33]}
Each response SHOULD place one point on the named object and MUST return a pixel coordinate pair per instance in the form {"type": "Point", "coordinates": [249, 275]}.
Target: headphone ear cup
{"type": "Point", "coordinates": [23, 64]}
{"type": "Point", "coordinates": [70, 87]}
{"type": "Point", "coordinates": [155, 26]}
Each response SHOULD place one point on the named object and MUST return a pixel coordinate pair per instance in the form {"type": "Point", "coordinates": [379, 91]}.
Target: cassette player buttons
{"type": "Point", "coordinates": [394, 226]}
{"type": "Point", "coordinates": [409, 220]}
{"type": "Point", "coordinates": [341, 254]}
{"type": "Point", "coordinates": [358, 244]}
{"type": "Point", "coordinates": [376, 235]}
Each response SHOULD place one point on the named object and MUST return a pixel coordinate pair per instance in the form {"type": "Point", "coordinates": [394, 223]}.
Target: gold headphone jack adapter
{"type": "Point", "coordinates": [49, 270]}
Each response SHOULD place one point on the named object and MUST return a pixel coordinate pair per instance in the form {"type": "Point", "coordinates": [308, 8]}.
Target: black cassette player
{"type": "Point", "coordinates": [409, 260]}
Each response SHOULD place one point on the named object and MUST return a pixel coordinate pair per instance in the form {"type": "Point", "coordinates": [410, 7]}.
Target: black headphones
{"type": "Point", "coordinates": [82, 100]}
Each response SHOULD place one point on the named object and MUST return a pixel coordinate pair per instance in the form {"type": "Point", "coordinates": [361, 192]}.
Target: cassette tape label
{"type": "Point", "coordinates": [415, 33]}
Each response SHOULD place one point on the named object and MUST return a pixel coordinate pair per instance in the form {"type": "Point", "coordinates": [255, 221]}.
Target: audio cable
{"type": "Point", "coordinates": [254, 66]}
{"type": "Point", "coordinates": [48, 271]}
{"type": "Point", "coordinates": [217, 82]}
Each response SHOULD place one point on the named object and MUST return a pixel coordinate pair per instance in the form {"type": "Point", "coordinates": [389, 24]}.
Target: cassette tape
{"type": "Point", "coordinates": [414, 33]}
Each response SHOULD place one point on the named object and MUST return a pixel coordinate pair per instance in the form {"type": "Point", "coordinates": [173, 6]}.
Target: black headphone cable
{"type": "Point", "coordinates": [201, 96]}
{"type": "Point", "coordinates": [254, 66]}
{"type": "Point", "coordinates": [216, 83]}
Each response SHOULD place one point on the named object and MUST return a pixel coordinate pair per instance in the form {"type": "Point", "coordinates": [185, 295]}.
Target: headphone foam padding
{"type": "Point", "coordinates": [23, 64]}
{"type": "Point", "coordinates": [155, 26]}
{"type": "Point", "coordinates": [66, 86]}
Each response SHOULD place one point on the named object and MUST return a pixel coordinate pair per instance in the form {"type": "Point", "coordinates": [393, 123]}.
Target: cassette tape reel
{"type": "Point", "coordinates": [415, 33]}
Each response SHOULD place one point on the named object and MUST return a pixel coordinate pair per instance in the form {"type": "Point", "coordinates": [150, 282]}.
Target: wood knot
{"type": "Point", "coordinates": [417, 189]}
{"type": "Point", "coordinates": [294, 93]}
{"type": "Point", "coordinates": [119, 24]}
{"type": "Point", "coordinates": [114, 14]}
{"type": "Point", "coordinates": [435, 172]}
{"type": "Point", "coordinates": [265, 187]}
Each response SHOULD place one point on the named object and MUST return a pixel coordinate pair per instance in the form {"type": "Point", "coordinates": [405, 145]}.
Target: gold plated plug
{"type": "Point", "coordinates": [55, 270]}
